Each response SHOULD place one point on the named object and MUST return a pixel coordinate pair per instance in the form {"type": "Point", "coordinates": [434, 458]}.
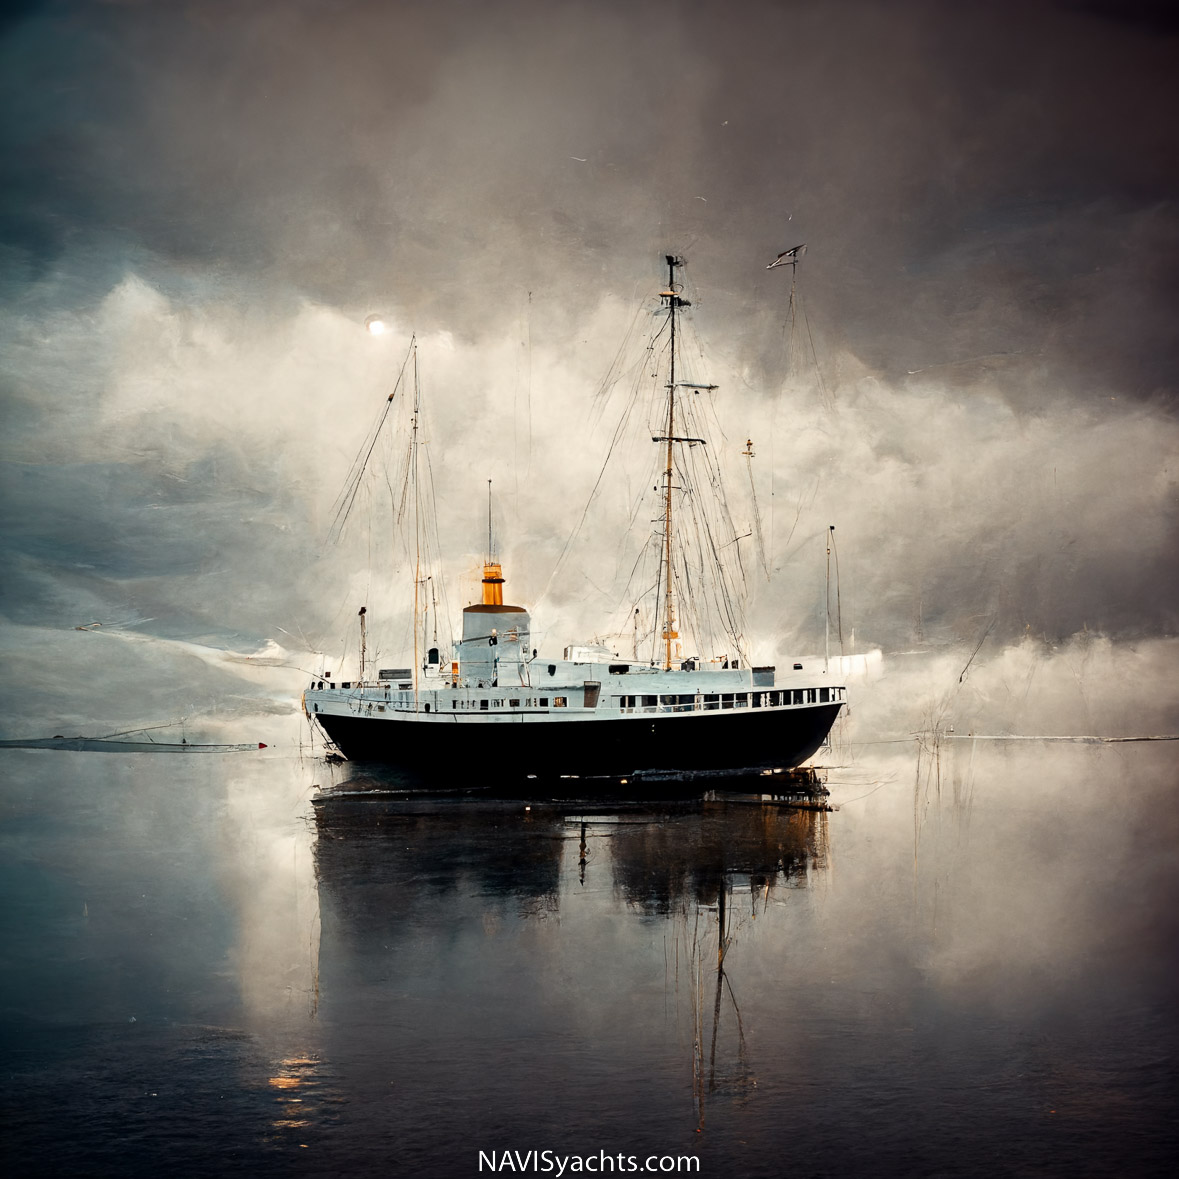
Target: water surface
{"type": "Point", "coordinates": [268, 965]}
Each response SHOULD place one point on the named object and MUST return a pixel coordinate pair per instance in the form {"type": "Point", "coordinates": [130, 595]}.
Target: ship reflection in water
{"type": "Point", "coordinates": [507, 964]}
{"type": "Point", "coordinates": [734, 980]}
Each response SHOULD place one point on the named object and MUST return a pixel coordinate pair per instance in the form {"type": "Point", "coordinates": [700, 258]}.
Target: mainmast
{"type": "Point", "coordinates": [669, 631]}
{"type": "Point", "coordinates": [674, 303]}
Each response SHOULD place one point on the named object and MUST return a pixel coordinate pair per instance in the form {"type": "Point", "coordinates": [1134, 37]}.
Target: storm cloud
{"type": "Point", "coordinates": [203, 202]}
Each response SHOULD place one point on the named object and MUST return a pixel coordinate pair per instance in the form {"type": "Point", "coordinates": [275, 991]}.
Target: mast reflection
{"type": "Point", "coordinates": [763, 846]}
{"type": "Point", "coordinates": [535, 919]}
{"type": "Point", "coordinates": [698, 870]}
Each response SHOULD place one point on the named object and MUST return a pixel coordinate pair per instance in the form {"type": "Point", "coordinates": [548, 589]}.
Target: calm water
{"type": "Point", "coordinates": [260, 964]}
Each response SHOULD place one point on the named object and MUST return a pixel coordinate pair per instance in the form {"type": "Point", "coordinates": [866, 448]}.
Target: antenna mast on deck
{"type": "Point", "coordinates": [417, 531]}
{"type": "Point", "coordinates": [827, 599]}
{"type": "Point", "coordinates": [493, 574]}
{"type": "Point", "coordinates": [363, 641]}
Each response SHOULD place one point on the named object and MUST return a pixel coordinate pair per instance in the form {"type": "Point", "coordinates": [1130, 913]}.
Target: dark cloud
{"type": "Point", "coordinates": [200, 203]}
{"type": "Point", "coordinates": [973, 178]}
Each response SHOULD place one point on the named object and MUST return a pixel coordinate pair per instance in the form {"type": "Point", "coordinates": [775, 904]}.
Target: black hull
{"type": "Point", "coordinates": [746, 739]}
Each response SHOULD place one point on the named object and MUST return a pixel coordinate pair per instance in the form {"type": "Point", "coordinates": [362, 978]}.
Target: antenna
{"type": "Point", "coordinates": [417, 527]}
{"type": "Point", "coordinates": [492, 573]}
{"type": "Point", "coordinates": [827, 623]}
{"type": "Point", "coordinates": [363, 612]}
{"type": "Point", "coordinates": [838, 596]}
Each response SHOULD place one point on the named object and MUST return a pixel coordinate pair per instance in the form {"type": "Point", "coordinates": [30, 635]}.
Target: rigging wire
{"type": "Point", "coordinates": [393, 459]}
{"type": "Point", "coordinates": [356, 472]}
{"type": "Point", "coordinates": [760, 539]}
{"type": "Point", "coordinates": [619, 431]}
{"type": "Point", "coordinates": [614, 372]}
{"type": "Point", "coordinates": [706, 587]}
{"type": "Point", "coordinates": [828, 401]}
{"type": "Point", "coordinates": [794, 348]}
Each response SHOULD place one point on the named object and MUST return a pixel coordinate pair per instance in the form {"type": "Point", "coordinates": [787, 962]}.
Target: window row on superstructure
{"type": "Point", "coordinates": [433, 700]}
{"type": "Point", "coordinates": [707, 701]}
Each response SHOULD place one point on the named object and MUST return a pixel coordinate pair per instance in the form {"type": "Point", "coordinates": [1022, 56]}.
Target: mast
{"type": "Point", "coordinates": [417, 535]}
{"type": "Point", "coordinates": [674, 302]}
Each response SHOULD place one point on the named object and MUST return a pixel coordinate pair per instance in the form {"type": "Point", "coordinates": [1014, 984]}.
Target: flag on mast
{"type": "Point", "coordinates": [786, 257]}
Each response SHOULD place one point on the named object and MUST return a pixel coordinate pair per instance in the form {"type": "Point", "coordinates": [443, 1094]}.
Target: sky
{"type": "Point", "coordinates": [203, 202]}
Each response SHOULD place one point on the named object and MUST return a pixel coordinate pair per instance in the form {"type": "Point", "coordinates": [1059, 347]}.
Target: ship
{"type": "Point", "coordinates": [591, 715]}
